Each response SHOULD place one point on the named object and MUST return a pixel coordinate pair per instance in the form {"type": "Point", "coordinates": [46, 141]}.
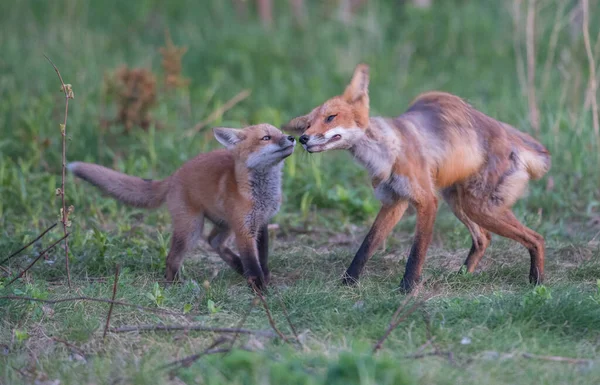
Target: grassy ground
{"type": "Point", "coordinates": [480, 325]}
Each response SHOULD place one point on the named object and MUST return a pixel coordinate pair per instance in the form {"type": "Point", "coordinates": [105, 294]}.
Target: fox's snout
{"type": "Point", "coordinates": [303, 139]}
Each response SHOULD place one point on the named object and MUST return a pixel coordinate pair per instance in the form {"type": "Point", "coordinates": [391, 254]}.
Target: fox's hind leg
{"type": "Point", "coordinates": [186, 231]}
{"type": "Point", "coordinates": [491, 209]}
{"type": "Point", "coordinates": [504, 223]}
{"type": "Point", "coordinates": [216, 239]}
{"type": "Point", "coordinates": [481, 237]}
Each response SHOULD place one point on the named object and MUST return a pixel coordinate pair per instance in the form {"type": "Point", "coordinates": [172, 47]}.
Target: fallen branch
{"type": "Point", "coordinates": [187, 361]}
{"type": "Point", "coordinates": [268, 313]}
{"type": "Point", "coordinates": [216, 114]}
{"type": "Point", "coordinates": [112, 303]}
{"type": "Point", "coordinates": [29, 244]}
{"type": "Point", "coordinates": [68, 91]}
{"type": "Point", "coordinates": [37, 259]}
{"type": "Point", "coordinates": [90, 299]}
{"type": "Point", "coordinates": [558, 359]}
{"type": "Point", "coordinates": [70, 345]}
{"type": "Point", "coordinates": [202, 328]}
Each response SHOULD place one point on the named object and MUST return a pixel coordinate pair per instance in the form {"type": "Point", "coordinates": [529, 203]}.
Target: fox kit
{"type": "Point", "coordinates": [237, 188]}
{"type": "Point", "coordinates": [440, 146]}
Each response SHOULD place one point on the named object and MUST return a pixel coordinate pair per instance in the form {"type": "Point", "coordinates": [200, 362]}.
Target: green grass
{"type": "Point", "coordinates": [487, 320]}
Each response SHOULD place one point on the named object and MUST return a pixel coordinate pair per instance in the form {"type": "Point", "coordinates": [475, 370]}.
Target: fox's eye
{"type": "Point", "coordinates": [266, 137]}
{"type": "Point", "coordinates": [330, 118]}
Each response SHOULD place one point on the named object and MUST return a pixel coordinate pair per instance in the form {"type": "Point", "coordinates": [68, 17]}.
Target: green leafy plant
{"type": "Point", "coordinates": [156, 295]}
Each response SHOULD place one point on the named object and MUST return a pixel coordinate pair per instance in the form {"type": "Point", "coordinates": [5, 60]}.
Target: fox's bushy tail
{"type": "Point", "coordinates": [533, 154]}
{"type": "Point", "coordinates": [128, 189]}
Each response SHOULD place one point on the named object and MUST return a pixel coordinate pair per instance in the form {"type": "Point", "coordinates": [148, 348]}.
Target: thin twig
{"type": "Point", "coordinates": [253, 303]}
{"type": "Point", "coordinates": [268, 313]}
{"type": "Point", "coordinates": [187, 361]}
{"type": "Point", "coordinates": [90, 299]}
{"type": "Point", "coordinates": [534, 113]}
{"type": "Point", "coordinates": [37, 259]}
{"type": "Point", "coordinates": [289, 321]}
{"type": "Point", "coordinates": [76, 349]}
{"type": "Point", "coordinates": [29, 244]}
{"type": "Point", "coordinates": [202, 328]}
{"type": "Point", "coordinates": [63, 131]}
{"type": "Point", "coordinates": [397, 318]}
{"type": "Point", "coordinates": [112, 303]}
{"type": "Point", "coordinates": [216, 114]}
{"type": "Point", "coordinates": [592, 65]}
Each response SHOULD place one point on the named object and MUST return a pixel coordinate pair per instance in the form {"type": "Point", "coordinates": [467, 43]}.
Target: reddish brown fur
{"type": "Point", "coordinates": [440, 145]}
{"type": "Point", "coordinates": [220, 186]}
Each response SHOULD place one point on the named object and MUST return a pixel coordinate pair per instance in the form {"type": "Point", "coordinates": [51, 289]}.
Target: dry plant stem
{"type": "Point", "coordinates": [268, 313]}
{"type": "Point", "coordinates": [592, 82]}
{"type": "Point", "coordinates": [534, 113]}
{"type": "Point", "coordinates": [63, 131]}
{"type": "Point", "coordinates": [37, 259]}
{"type": "Point", "coordinates": [202, 328]}
{"type": "Point", "coordinates": [216, 114]}
{"type": "Point", "coordinates": [558, 359]}
{"type": "Point", "coordinates": [556, 28]}
{"type": "Point", "coordinates": [29, 244]}
{"type": "Point", "coordinates": [112, 303]}
{"type": "Point", "coordinates": [516, 13]}
{"type": "Point", "coordinates": [90, 299]}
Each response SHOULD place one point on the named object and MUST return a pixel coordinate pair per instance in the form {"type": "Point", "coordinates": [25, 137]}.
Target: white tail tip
{"type": "Point", "coordinates": [72, 166]}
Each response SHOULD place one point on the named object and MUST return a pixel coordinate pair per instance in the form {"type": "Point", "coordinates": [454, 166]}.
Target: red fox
{"type": "Point", "coordinates": [441, 144]}
{"type": "Point", "coordinates": [237, 188]}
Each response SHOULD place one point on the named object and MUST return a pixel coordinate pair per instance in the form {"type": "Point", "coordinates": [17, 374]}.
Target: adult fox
{"type": "Point", "coordinates": [441, 144]}
{"type": "Point", "coordinates": [237, 188]}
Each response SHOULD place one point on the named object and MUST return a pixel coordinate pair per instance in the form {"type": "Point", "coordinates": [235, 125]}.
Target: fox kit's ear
{"type": "Point", "coordinates": [297, 125]}
{"type": "Point", "coordinates": [358, 89]}
{"type": "Point", "coordinates": [228, 137]}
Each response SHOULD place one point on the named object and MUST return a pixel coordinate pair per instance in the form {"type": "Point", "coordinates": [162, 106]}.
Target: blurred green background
{"type": "Point", "coordinates": [134, 105]}
{"type": "Point", "coordinates": [474, 49]}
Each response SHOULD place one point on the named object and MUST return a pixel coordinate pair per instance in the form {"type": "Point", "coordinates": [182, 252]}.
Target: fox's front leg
{"type": "Point", "coordinates": [262, 243]}
{"type": "Point", "coordinates": [426, 211]}
{"type": "Point", "coordinates": [247, 246]}
{"type": "Point", "coordinates": [387, 218]}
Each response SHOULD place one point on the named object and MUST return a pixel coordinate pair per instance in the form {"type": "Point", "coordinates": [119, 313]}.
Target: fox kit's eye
{"type": "Point", "coordinates": [266, 137]}
{"type": "Point", "coordinates": [330, 118]}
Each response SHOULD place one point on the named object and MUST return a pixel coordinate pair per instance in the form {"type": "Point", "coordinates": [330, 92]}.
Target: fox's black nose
{"type": "Point", "coordinates": [303, 139]}
{"type": "Point", "coordinates": [291, 139]}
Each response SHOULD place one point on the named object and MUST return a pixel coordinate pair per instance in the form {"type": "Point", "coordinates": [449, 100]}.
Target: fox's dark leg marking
{"type": "Point", "coordinates": [262, 244]}
{"type": "Point", "coordinates": [426, 213]}
{"type": "Point", "coordinates": [387, 218]}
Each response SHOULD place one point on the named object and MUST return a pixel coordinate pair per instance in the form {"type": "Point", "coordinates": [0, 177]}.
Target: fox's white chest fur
{"type": "Point", "coordinates": [265, 186]}
{"type": "Point", "coordinates": [378, 155]}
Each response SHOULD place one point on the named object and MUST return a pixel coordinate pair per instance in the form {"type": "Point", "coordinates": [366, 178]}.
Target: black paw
{"type": "Point", "coordinates": [349, 280]}
{"type": "Point", "coordinates": [536, 278]}
{"type": "Point", "coordinates": [407, 285]}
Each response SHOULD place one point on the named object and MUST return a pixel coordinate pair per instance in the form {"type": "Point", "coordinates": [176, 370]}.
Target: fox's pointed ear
{"type": "Point", "coordinates": [228, 137]}
{"type": "Point", "coordinates": [297, 125]}
{"type": "Point", "coordinates": [358, 89]}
